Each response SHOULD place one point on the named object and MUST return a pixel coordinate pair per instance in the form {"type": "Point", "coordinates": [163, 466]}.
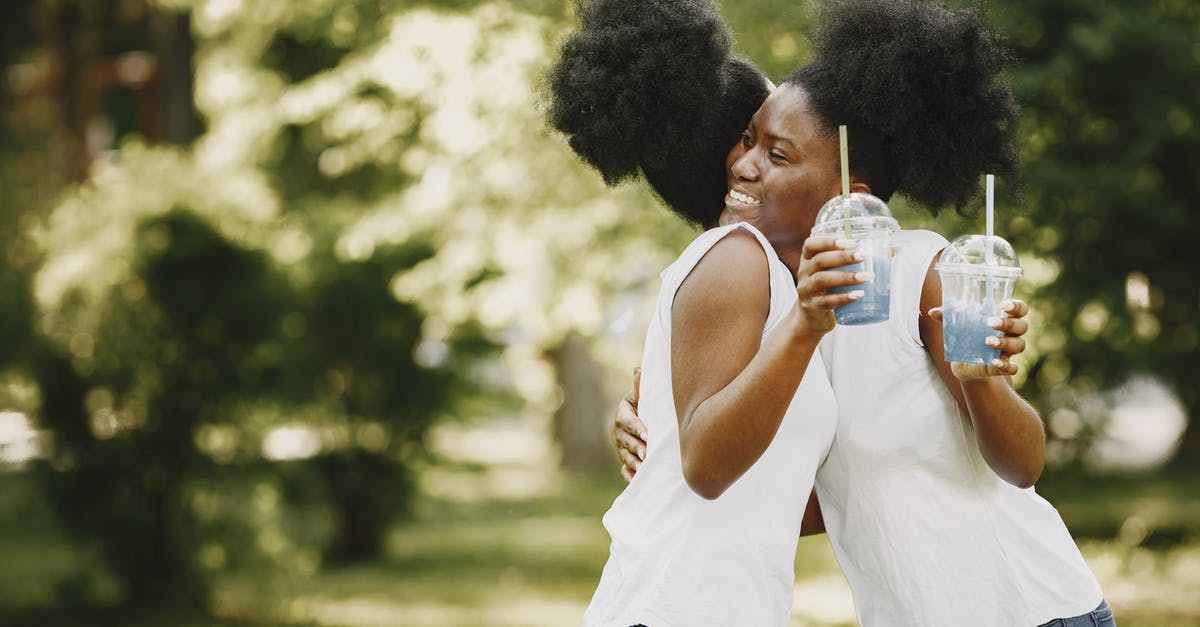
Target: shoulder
{"type": "Point", "coordinates": [737, 259]}
{"type": "Point", "coordinates": [919, 242]}
{"type": "Point", "coordinates": [732, 275]}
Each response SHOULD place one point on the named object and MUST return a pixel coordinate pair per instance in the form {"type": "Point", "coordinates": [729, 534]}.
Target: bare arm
{"type": "Point", "coordinates": [1008, 429]}
{"type": "Point", "coordinates": [731, 385]}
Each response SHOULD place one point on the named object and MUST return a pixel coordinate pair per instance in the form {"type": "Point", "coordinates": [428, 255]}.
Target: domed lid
{"type": "Point", "coordinates": [857, 211]}
{"type": "Point", "coordinates": [970, 253]}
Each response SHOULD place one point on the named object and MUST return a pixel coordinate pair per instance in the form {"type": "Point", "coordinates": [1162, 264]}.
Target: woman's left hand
{"type": "Point", "coordinates": [1011, 321]}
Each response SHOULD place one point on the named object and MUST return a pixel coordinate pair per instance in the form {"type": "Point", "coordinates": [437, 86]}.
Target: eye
{"type": "Point", "coordinates": [746, 139]}
{"type": "Point", "coordinates": [776, 155]}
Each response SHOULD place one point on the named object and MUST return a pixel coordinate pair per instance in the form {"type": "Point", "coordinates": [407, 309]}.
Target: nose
{"type": "Point", "coordinates": [743, 167]}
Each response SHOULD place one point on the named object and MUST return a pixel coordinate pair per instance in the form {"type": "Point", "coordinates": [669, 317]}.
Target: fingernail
{"type": "Point", "coordinates": [856, 294]}
{"type": "Point", "coordinates": [993, 322]}
{"type": "Point", "coordinates": [642, 435]}
{"type": "Point", "coordinates": [859, 256]}
{"type": "Point", "coordinates": [845, 244]}
{"type": "Point", "coordinates": [934, 310]}
{"type": "Point", "coordinates": [863, 276]}
{"type": "Point", "coordinates": [992, 341]}
{"type": "Point", "coordinates": [642, 454]}
{"type": "Point", "coordinates": [1008, 306]}
{"type": "Point", "coordinates": [997, 363]}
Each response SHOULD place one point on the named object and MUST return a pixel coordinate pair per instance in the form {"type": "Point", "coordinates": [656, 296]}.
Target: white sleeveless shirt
{"type": "Point", "coordinates": [925, 532]}
{"type": "Point", "coordinates": [679, 560]}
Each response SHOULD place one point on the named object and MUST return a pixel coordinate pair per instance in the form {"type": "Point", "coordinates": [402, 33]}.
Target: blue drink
{"type": "Point", "coordinates": [867, 221]}
{"type": "Point", "coordinates": [877, 298]}
{"type": "Point", "coordinates": [965, 330]}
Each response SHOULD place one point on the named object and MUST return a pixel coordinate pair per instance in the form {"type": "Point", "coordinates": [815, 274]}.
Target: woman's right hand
{"type": "Point", "coordinates": [815, 277]}
{"type": "Point", "coordinates": [628, 431]}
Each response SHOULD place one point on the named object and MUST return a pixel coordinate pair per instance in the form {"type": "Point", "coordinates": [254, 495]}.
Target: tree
{"type": "Point", "coordinates": [1111, 93]}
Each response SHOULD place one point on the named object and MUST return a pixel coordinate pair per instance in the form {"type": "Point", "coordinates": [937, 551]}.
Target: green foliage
{"type": "Point", "coordinates": [1111, 92]}
{"type": "Point", "coordinates": [377, 229]}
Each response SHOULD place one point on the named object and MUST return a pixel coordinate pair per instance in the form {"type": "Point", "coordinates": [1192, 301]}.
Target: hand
{"type": "Point", "coordinates": [1012, 323]}
{"type": "Point", "coordinates": [628, 431]}
{"type": "Point", "coordinates": [814, 278]}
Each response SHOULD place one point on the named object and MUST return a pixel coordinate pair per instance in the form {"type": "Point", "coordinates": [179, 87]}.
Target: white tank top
{"type": "Point", "coordinates": [925, 532]}
{"type": "Point", "coordinates": [678, 560]}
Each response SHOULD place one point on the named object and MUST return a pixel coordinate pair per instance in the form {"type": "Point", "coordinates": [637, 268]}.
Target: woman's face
{"type": "Point", "coordinates": [782, 171]}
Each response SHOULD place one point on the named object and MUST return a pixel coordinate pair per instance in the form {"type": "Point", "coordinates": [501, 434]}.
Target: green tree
{"type": "Point", "coordinates": [1112, 144]}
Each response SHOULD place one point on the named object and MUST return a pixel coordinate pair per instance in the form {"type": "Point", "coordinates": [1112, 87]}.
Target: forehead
{"type": "Point", "coordinates": [786, 114]}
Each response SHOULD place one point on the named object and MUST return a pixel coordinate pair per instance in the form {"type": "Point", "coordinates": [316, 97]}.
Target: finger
{"type": "Point", "coordinates": [637, 386]}
{"type": "Point", "coordinates": [1008, 346]}
{"type": "Point", "coordinates": [1004, 366]}
{"type": "Point", "coordinates": [1009, 326]}
{"type": "Point", "coordinates": [635, 445]}
{"type": "Point", "coordinates": [831, 301]}
{"type": "Point", "coordinates": [630, 422]}
{"type": "Point", "coordinates": [1014, 308]}
{"type": "Point", "coordinates": [814, 246]}
{"type": "Point", "coordinates": [824, 280]}
{"type": "Point", "coordinates": [628, 459]}
{"type": "Point", "coordinates": [627, 473]}
{"type": "Point", "coordinates": [833, 259]}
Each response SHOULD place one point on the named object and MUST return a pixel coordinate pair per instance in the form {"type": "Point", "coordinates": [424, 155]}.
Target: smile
{"type": "Point", "coordinates": [743, 198]}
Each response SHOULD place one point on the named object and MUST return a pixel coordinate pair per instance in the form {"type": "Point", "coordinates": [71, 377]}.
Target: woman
{"type": "Point", "coordinates": [924, 491]}
{"type": "Point", "coordinates": [706, 533]}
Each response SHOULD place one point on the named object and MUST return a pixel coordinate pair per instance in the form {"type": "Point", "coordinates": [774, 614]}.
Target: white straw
{"type": "Point", "coordinates": [991, 186]}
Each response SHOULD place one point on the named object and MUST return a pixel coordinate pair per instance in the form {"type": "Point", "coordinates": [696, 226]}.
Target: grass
{"type": "Point", "coordinates": [471, 557]}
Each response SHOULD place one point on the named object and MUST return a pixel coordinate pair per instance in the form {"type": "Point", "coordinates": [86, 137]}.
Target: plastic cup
{"type": "Point", "coordinates": [867, 221]}
{"type": "Point", "coordinates": [974, 283]}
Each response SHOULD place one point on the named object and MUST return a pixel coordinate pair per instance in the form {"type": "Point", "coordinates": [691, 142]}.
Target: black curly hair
{"type": "Point", "coordinates": [652, 87]}
{"type": "Point", "coordinates": [918, 87]}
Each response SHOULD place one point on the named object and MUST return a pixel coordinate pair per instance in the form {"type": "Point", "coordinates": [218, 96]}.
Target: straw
{"type": "Point", "coordinates": [845, 174]}
{"type": "Point", "coordinates": [990, 255]}
{"type": "Point", "coordinates": [845, 164]}
{"type": "Point", "coordinates": [991, 187]}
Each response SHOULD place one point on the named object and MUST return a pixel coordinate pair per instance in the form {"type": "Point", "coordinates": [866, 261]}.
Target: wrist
{"type": "Point", "coordinates": [983, 384]}
{"type": "Point", "coordinates": [803, 332]}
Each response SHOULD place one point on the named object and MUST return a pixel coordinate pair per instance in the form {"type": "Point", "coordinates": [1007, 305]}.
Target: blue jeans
{"type": "Point", "coordinates": [1102, 616]}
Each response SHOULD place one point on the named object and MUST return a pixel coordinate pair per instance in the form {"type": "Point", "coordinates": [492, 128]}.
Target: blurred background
{"type": "Point", "coordinates": [307, 319]}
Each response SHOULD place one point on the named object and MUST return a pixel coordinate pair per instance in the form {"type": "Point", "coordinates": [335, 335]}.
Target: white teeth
{"type": "Point", "coordinates": [740, 197]}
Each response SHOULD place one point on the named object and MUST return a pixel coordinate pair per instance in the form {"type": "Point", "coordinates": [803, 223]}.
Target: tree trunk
{"type": "Point", "coordinates": [581, 422]}
{"type": "Point", "coordinates": [176, 53]}
{"type": "Point", "coordinates": [71, 92]}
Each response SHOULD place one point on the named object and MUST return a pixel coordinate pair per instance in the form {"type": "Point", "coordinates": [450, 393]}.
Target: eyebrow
{"type": "Point", "coordinates": [771, 137]}
{"type": "Point", "coordinates": [780, 139]}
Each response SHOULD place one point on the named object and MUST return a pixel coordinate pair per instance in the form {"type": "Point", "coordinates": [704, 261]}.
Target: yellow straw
{"type": "Point", "coordinates": [845, 163]}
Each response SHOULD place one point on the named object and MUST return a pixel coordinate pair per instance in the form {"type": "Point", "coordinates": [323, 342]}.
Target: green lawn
{"type": "Point", "coordinates": [471, 557]}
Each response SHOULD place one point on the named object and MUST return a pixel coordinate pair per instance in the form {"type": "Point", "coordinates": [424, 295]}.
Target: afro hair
{"type": "Point", "coordinates": [652, 87]}
{"type": "Point", "coordinates": [918, 87]}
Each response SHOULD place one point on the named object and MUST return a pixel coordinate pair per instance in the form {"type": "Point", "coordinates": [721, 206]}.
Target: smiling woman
{"type": "Point", "coordinates": [736, 431]}
{"type": "Point", "coordinates": [731, 372]}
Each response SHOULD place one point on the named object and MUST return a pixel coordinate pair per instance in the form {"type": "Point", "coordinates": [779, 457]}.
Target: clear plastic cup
{"type": "Point", "coordinates": [974, 283]}
{"type": "Point", "coordinates": [868, 221]}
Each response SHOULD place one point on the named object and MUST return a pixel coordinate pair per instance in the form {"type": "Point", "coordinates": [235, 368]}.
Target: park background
{"type": "Point", "coordinates": [306, 318]}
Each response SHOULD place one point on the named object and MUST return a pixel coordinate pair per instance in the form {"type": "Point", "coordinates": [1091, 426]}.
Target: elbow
{"type": "Point", "coordinates": [1030, 476]}
{"type": "Point", "coordinates": [702, 480]}
{"type": "Point", "coordinates": [1026, 476]}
